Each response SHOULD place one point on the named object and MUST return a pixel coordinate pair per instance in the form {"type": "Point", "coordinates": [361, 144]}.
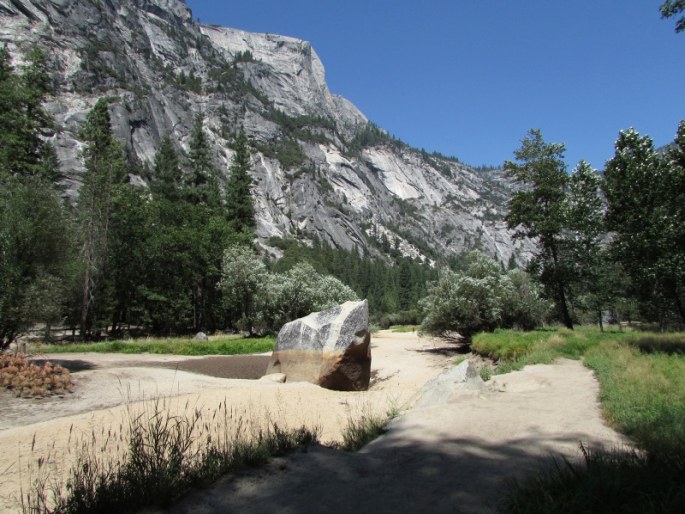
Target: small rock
{"type": "Point", "coordinates": [201, 336]}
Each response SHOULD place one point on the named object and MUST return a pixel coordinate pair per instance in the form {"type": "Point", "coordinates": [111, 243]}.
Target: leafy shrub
{"type": "Point", "coordinates": [481, 298]}
{"type": "Point", "coordinates": [30, 380]}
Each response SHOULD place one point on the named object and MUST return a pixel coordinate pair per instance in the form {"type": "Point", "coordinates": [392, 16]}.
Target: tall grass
{"type": "Point", "coordinates": [618, 481]}
{"type": "Point", "coordinates": [226, 345]}
{"type": "Point", "coordinates": [361, 430]}
{"type": "Point", "coordinates": [164, 455]}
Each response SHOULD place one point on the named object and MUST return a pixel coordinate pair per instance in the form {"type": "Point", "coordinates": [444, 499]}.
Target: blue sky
{"type": "Point", "coordinates": [469, 78]}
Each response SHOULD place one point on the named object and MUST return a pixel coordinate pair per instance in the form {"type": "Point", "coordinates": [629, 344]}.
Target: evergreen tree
{"type": "Point", "coordinates": [104, 172]}
{"type": "Point", "coordinates": [201, 187]}
{"type": "Point", "coordinates": [35, 255]}
{"type": "Point", "coordinates": [127, 257]}
{"type": "Point", "coordinates": [239, 203]}
{"type": "Point", "coordinates": [538, 211]}
{"type": "Point", "coordinates": [166, 180]}
{"type": "Point", "coordinates": [35, 232]}
{"type": "Point", "coordinates": [23, 121]}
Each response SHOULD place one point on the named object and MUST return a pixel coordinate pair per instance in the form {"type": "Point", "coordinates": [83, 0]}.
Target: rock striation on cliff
{"type": "Point", "coordinates": [319, 167]}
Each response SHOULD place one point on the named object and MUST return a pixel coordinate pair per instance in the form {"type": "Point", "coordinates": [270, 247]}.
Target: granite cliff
{"type": "Point", "coordinates": [319, 166]}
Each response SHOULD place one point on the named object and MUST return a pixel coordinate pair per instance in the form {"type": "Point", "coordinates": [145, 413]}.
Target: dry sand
{"type": "Point", "coordinates": [453, 455]}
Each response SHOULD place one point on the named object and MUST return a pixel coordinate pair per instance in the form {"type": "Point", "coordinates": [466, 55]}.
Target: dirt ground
{"type": "Point", "coordinates": [452, 454]}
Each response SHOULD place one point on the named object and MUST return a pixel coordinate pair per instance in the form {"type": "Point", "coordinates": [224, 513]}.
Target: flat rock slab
{"type": "Point", "coordinates": [453, 456]}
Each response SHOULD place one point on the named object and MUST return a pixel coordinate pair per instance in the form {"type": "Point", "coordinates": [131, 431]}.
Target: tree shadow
{"type": "Point", "coordinates": [392, 474]}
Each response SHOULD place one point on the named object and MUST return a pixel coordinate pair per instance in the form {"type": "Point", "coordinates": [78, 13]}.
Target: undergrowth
{"type": "Point", "coordinates": [363, 429]}
{"type": "Point", "coordinates": [618, 481]}
{"type": "Point", "coordinates": [164, 455]}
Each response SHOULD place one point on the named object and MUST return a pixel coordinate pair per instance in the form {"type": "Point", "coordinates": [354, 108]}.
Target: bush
{"type": "Point", "coordinates": [29, 380]}
{"type": "Point", "coordinates": [481, 298]}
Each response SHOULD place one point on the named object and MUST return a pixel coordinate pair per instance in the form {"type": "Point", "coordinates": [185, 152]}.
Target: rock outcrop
{"type": "Point", "coordinates": [319, 168]}
{"type": "Point", "coordinates": [331, 348]}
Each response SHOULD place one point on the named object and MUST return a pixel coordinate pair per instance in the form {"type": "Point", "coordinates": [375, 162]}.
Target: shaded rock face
{"type": "Point", "coordinates": [331, 348]}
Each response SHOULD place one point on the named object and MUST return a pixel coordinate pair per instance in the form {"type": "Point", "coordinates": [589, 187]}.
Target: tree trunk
{"type": "Point", "coordinates": [565, 315]}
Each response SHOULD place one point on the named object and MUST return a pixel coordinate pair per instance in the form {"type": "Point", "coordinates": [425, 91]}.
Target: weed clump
{"type": "Point", "coordinates": [29, 380]}
{"type": "Point", "coordinates": [157, 459]}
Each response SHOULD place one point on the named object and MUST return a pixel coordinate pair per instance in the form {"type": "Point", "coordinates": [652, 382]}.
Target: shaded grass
{"type": "Point", "coordinates": [227, 345]}
{"type": "Point", "coordinates": [673, 343]}
{"type": "Point", "coordinates": [606, 482]}
{"type": "Point", "coordinates": [165, 456]}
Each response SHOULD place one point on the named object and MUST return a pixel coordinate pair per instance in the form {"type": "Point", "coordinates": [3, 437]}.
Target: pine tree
{"type": "Point", "coordinates": [104, 172]}
{"type": "Point", "coordinates": [201, 187]}
{"type": "Point", "coordinates": [240, 206]}
{"type": "Point", "coordinates": [23, 120]}
{"type": "Point", "coordinates": [166, 180]}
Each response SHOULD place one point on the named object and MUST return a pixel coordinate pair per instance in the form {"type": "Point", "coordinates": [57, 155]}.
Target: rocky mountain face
{"type": "Point", "coordinates": [319, 167]}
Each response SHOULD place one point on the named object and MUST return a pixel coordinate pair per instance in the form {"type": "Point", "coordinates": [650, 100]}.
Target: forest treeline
{"type": "Point", "coordinates": [152, 259]}
{"type": "Point", "coordinates": [158, 259]}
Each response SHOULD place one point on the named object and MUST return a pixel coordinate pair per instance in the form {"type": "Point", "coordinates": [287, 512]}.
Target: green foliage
{"type": "Point", "coordinates": [244, 56]}
{"type": "Point", "coordinates": [102, 179]}
{"type": "Point", "coordinates": [646, 213]}
{"type": "Point", "coordinates": [265, 300]}
{"type": "Point", "coordinates": [672, 8]}
{"type": "Point", "coordinates": [190, 82]}
{"type": "Point", "coordinates": [239, 204]}
{"type": "Point", "coordinates": [299, 291]}
{"type": "Point", "coordinates": [374, 279]}
{"type": "Point", "coordinates": [36, 259]}
{"type": "Point", "coordinates": [201, 178]}
{"type": "Point", "coordinates": [538, 210]}
{"type": "Point", "coordinates": [302, 128]}
{"type": "Point", "coordinates": [369, 135]}
{"type": "Point", "coordinates": [243, 279]}
{"type": "Point", "coordinates": [363, 429]}
{"type": "Point", "coordinates": [643, 394]}
{"type": "Point", "coordinates": [166, 179]}
{"type": "Point", "coordinates": [23, 120]}
{"type": "Point", "coordinates": [286, 151]}
{"type": "Point", "coordinates": [481, 298]}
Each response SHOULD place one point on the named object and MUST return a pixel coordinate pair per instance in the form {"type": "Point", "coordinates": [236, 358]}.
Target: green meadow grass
{"type": "Point", "coordinates": [223, 345]}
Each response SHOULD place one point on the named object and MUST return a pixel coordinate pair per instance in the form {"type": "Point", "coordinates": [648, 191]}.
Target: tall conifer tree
{"type": "Point", "coordinates": [104, 171]}
{"type": "Point", "coordinates": [239, 203]}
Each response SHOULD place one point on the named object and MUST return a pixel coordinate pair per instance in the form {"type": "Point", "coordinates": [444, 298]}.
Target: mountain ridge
{"type": "Point", "coordinates": [320, 168]}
